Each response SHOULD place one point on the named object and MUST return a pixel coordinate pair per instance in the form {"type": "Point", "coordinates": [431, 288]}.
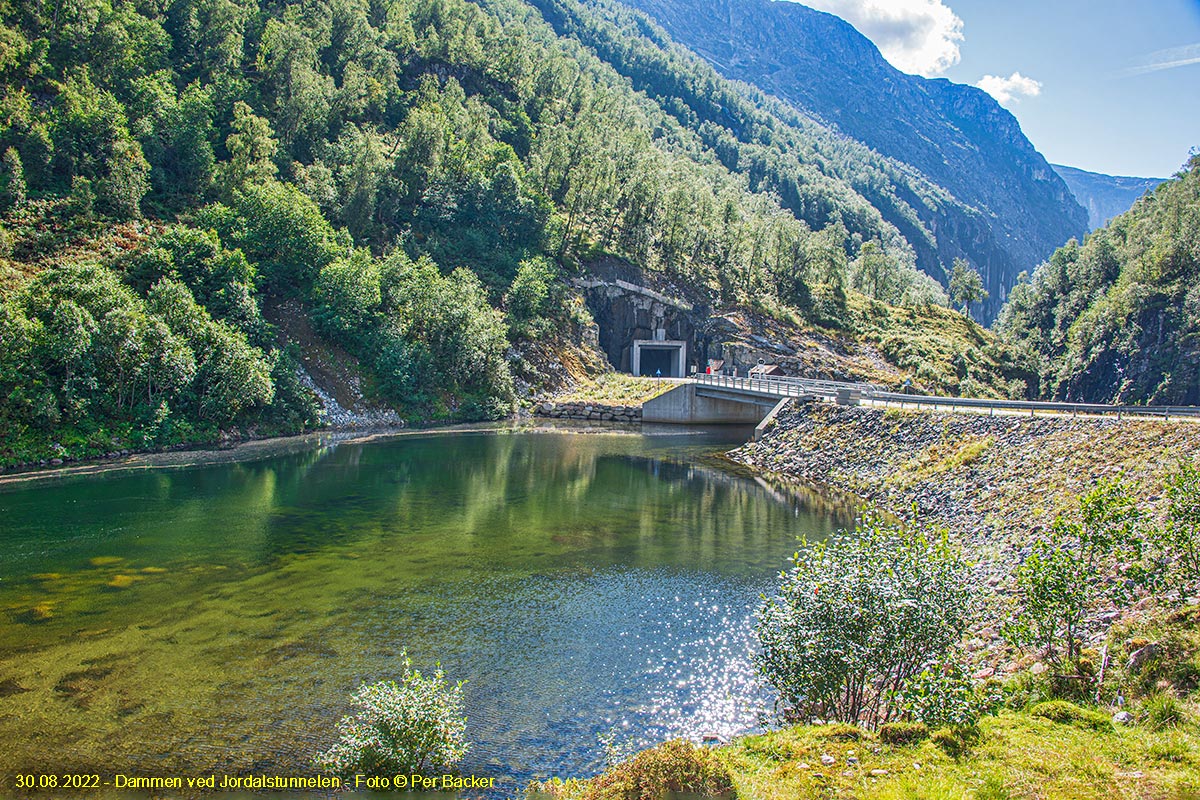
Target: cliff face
{"type": "Point", "coordinates": [1104, 196]}
{"type": "Point", "coordinates": [957, 136]}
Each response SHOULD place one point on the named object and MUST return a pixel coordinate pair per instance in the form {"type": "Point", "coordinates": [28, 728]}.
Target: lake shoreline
{"type": "Point", "coordinates": [251, 449]}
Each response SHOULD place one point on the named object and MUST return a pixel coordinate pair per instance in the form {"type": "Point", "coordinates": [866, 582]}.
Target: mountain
{"type": "Point", "coordinates": [956, 136]}
{"type": "Point", "coordinates": [1104, 196]}
{"type": "Point", "coordinates": [1117, 318]}
{"type": "Point", "coordinates": [214, 213]}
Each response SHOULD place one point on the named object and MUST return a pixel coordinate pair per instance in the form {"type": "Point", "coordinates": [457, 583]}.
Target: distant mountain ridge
{"type": "Point", "coordinates": [1104, 196]}
{"type": "Point", "coordinates": [957, 136]}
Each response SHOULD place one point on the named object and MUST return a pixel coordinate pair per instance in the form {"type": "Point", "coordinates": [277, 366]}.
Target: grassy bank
{"type": "Point", "coordinates": [1030, 746]}
{"type": "Point", "coordinates": [1117, 719]}
{"type": "Point", "coordinates": [1011, 755]}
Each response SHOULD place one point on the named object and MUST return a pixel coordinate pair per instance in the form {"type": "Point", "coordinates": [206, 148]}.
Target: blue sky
{"type": "Point", "coordinates": [1106, 85]}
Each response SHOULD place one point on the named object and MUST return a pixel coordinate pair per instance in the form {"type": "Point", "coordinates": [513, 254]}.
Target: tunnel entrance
{"type": "Point", "coordinates": [656, 357]}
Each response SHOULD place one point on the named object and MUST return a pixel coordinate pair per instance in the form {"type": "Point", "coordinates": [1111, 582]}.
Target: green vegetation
{"type": "Point", "coordinates": [859, 617]}
{"type": "Point", "coordinates": [966, 284]}
{"type": "Point", "coordinates": [673, 767]}
{"type": "Point", "coordinates": [1116, 318]}
{"type": "Point", "coordinates": [944, 352]}
{"type": "Point", "coordinates": [421, 177]}
{"type": "Point", "coordinates": [1066, 713]}
{"type": "Point", "coordinates": [1011, 755]}
{"type": "Point", "coordinates": [414, 727]}
{"type": "Point", "coordinates": [615, 388]}
{"type": "Point", "coordinates": [939, 458]}
{"type": "Point", "coordinates": [1064, 575]}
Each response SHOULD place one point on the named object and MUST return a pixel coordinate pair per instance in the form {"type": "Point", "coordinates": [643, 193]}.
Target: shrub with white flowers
{"type": "Point", "coordinates": [416, 726]}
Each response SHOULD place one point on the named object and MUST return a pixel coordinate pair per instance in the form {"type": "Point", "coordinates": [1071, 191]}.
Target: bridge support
{"type": "Point", "coordinates": [698, 404]}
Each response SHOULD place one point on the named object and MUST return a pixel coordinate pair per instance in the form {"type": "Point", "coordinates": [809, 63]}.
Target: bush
{"type": "Point", "coordinates": [942, 694]}
{"type": "Point", "coordinates": [1065, 713]}
{"type": "Point", "coordinates": [1177, 542]}
{"type": "Point", "coordinates": [903, 733]}
{"type": "Point", "coordinates": [675, 766]}
{"type": "Point", "coordinates": [412, 727]}
{"type": "Point", "coordinates": [859, 616]}
{"type": "Point", "coordinates": [1062, 577]}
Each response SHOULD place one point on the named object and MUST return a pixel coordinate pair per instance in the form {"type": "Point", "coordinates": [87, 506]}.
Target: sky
{"type": "Point", "coordinates": [1110, 86]}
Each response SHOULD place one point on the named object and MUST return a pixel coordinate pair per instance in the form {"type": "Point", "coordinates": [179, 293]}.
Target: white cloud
{"type": "Point", "coordinates": [1167, 59]}
{"type": "Point", "coordinates": [918, 36]}
{"type": "Point", "coordinates": [1009, 89]}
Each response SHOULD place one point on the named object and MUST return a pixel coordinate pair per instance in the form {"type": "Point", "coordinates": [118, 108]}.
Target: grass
{"type": "Point", "coordinates": [1162, 711]}
{"type": "Point", "coordinates": [615, 388]}
{"type": "Point", "coordinates": [940, 458]}
{"type": "Point", "coordinates": [1015, 755]}
{"type": "Point", "coordinates": [945, 352]}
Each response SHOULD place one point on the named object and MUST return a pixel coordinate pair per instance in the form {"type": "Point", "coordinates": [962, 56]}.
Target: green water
{"type": "Point", "coordinates": [215, 619]}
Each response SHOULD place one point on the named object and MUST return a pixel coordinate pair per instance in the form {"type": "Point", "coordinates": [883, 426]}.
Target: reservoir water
{"type": "Point", "coordinates": [215, 619]}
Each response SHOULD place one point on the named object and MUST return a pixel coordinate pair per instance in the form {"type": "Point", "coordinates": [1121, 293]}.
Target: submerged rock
{"type": "Point", "coordinates": [41, 612]}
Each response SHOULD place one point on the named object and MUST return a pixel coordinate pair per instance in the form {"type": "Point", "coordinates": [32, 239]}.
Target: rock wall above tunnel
{"type": "Point", "coordinates": [625, 312]}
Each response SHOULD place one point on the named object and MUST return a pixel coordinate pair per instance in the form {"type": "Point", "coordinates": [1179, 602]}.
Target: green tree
{"type": "Point", "coordinates": [284, 233]}
{"type": "Point", "coordinates": [533, 298]}
{"type": "Point", "coordinates": [252, 148]}
{"type": "Point", "coordinates": [966, 284]}
{"type": "Point", "coordinates": [874, 275]}
{"type": "Point", "coordinates": [12, 179]}
{"type": "Point", "coordinates": [1064, 575]}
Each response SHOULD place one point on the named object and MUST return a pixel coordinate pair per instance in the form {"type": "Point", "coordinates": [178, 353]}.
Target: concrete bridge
{"type": "Point", "coordinates": [720, 399]}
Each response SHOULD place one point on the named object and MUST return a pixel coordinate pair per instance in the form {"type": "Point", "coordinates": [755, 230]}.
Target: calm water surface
{"type": "Point", "coordinates": [216, 619]}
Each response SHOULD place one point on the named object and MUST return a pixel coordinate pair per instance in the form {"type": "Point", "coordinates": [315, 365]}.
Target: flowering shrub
{"type": "Point", "coordinates": [415, 726]}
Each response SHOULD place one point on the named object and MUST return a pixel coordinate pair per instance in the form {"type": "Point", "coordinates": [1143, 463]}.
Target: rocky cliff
{"type": "Point", "coordinates": [955, 135]}
{"type": "Point", "coordinates": [1104, 196]}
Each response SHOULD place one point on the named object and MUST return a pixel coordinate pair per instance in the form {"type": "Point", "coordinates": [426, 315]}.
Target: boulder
{"type": "Point", "coordinates": [1138, 658]}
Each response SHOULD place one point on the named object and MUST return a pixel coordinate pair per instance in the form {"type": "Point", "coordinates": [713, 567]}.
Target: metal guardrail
{"type": "Point", "coordinates": [777, 387]}
{"type": "Point", "coordinates": [1032, 407]}
{"type": "Point", "coordinates": [795, 387]}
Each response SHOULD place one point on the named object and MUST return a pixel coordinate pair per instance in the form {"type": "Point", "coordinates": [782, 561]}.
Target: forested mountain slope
{"type": "Point", "coordinates": [1118, 317]}
{"type": "Point", "coordinates": [1104, 196]}
{"type": "Point", "coordinates": [421, 177]}
{"type": "Point", "coordinates": [955, 136]}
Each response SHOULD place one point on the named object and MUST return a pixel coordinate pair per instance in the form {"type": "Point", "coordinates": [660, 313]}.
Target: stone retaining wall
{"type": "Point", "coordinates": [589, 411]}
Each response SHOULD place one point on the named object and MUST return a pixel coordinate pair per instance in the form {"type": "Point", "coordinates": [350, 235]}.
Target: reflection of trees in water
{"type": "Point", "coordinates": [511, 498]}
{"type": "Point", "coordinates": [514, 497]}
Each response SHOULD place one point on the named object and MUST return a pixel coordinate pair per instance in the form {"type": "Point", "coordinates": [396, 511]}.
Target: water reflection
{"type": "Point", "coordinates": [580, 584]}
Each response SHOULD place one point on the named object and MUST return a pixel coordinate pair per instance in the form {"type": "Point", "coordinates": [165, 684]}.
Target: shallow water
{"type": "Point", "coordinates": [215, 619]}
